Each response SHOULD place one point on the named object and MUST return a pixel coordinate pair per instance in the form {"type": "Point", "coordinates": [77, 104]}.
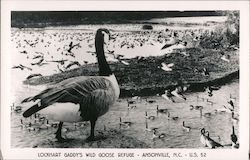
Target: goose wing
{"type": "Point", "coordinates": [75, 90]}
{"type": "Point", "coordinates": [97, 103]}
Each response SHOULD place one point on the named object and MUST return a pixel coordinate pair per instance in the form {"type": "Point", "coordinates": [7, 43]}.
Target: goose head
{"type": "Point", "coordinates": [203, 131]}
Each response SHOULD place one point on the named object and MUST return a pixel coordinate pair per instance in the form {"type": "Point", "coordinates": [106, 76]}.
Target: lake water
{"type": "Point", "coordinates": [219, 124]}
{"type": "Point", "coordinates": [53, 43]}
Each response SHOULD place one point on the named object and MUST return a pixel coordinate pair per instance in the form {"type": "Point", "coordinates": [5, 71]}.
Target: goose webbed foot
{"type": "Point", "coordinates": [61, 139]}
{"type": "Point", "coordinates": [90, 138]}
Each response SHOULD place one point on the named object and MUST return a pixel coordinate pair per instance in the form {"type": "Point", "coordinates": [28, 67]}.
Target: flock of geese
{"type": "Point", "coordinates": [88, 98]}
{"type": "Point", "coordinates": [205, 138]}
{"type": "Point", "coordinates": [65, 56]}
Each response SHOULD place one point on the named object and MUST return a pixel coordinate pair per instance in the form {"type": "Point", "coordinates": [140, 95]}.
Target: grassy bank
{"type": "Point", "coordinates": [145, 78]}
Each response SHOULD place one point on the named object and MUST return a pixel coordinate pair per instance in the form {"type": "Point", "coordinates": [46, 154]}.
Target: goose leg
{"type": "Point", "coordinates": [59, 133]}
{"type": "Point", "coordinates": [92, 135]}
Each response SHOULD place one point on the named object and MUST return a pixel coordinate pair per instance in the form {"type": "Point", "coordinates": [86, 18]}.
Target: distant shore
{"type": "Point", "coordinates": [41, 19]}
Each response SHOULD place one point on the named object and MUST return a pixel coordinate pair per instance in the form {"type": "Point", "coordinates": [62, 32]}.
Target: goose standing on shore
{"type": "Point", "coordinates": [83, 98]}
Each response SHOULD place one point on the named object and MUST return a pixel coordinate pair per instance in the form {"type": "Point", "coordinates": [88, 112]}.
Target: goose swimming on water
{"type": "Point", "coordinates": [203, 137]}
{"type": "Point", "coordinates": [211, 143]}
{"type": "Point", "coordinates": [83, 98]}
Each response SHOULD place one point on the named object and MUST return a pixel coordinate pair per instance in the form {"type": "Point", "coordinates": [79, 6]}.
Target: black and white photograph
{"type": "Point", "coordinates": [119, 79]}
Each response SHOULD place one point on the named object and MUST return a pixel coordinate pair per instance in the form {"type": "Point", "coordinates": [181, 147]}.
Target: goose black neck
{"type": "Point", "coordinates": [104, 69]}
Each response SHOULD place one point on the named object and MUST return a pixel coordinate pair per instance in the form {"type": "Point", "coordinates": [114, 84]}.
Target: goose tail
{"type": "Point", "coordinates": [36, 97]}
{"type": "Point", "coordinates": [35, 108]}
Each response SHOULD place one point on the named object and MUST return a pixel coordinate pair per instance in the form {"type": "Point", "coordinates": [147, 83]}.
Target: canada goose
{"type": "Point", "coordinates": [149, 117]}
{"type": "Point", "coordinates": [166, 67]}
{"type": "Point", "coordinates": [208, 114]}
{"type": "Point", "coordinates": [76, 63]}
{"type": "Point", "coordinates": [125, 123]}
{"type": "Point", "coordinates": [220, 110]}
{"type": "Point", "coordinates": [71, 46]}
{"type": "Point", "coordinates": [29, 127]}
{"type": "Point", "coordinates": [167, 45]}
{"type": "Point", "coordinates": [150, 101]}
{"type": "Point", "coordinates": [136, 98]}
{"type": "Point", "coordinates": [205, 72]}
{"type": "Point", "coordinates": [234, 138]}
{"type": "Point", "coordinates": [44, 125]}
{"type": "Point", "coordinates": [22, 67]}
{"type": "Point", "coordinates": [211, 143]}
{"type": "Point", "coordinates": [203, 137]}
{"type": "Point", "coordinates": [231, 103]}
{"type": "Point", "coordinates": [168, 96]}
{"type": "Point", "coordinates": [130, 102]}
{"type": "Point", "coordinates": [38, 56]}
{"type": "Point", "coordinates": [24, 52]}
{"type": "Point", "coordinates": [160, 136]}
{"type": "Point", "coordinates": [124, 62]}
{"type": "Point", "coordinates": [83, 98]}
{"type": "Point", "coordinates": [24, 125]}
{"type": "Point", "coordinates": [228, 109]}
{"type": "Point", "coordinates": [164, 111]}
{"type": "Point", "coordinates": [150, 129]}
{"type": "Point", "coordinates": [195, 107]}
{"type": "Point", "coordinates": [234, 119]}
{"type": "Point", "coordinates": [233, 99]}
{"type": "Point", "coordinates": [61, 62]}
{"type": "Point", "coordinates": [187, 128]}
{"type": "Point", "coordinates": [34, 75]}
{"type": "Point", "coordinates": [173, 118]}
{"type": "Point", "coordinates": [225, 58]}
{"type": "Point", "coordinates": [18, 109]}
{"type": "Point", "coordinates": [178, 93]}
{"type": "Point", "coordinates": [38, 63]}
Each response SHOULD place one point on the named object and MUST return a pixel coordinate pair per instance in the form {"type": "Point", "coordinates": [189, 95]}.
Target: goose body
{"type": "Point", "coordinates": [203, 137]}
{"type": "Point", "coordinates": [167, 67]}
{"type": "Point", "coordinates": [234, 119]}
{"type": "Point", "coordinates": [208, 114]}
{"type": "Point", "coordinates": [195, 107]}
{"type": "Point", "coordinates": [234, 138]}
{"type": "Point", "coordinates": [187, 128]}
{"type": "Point", "coordinates": [150, 129]}
{"type": "Point", "coordinates": [149, 117]}
{"type": "Point", "coordinates": [83, 98]}
{"type": "Point", "coordinates": [172, 118]}
{"type": "Point", "coordinates": [220, 110]}
{"type": "Point", "coordinates": [178, 93]}
{"type": "Point", "coordinates": [159, 136]}
{"type": "Point", "coordinates": [125, 123]}
{"type": "Point", "coordinates": [150, 101]}
{"type": "Point", "coordinates": [225, 58]}
{"type": "Point", "coordinates": [164, 111]}
{"type": "Point", "coordinates": [228, 109]}
{"type": "Point", "coordinates": [168, 96]}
